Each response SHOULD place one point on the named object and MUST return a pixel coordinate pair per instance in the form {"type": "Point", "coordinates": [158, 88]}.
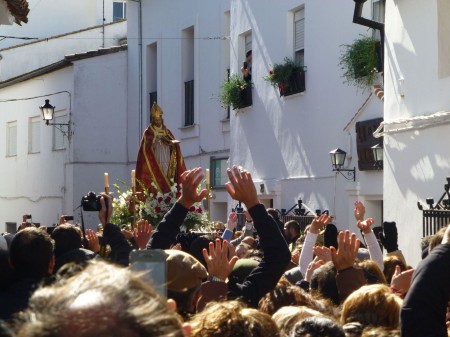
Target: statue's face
{"type": "Point", "coordinates": [157, 121]}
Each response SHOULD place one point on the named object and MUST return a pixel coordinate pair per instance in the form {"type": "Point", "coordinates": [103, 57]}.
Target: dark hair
{"type": "Point", "coordinates": [323, 281]}
{"type": "Point", "coordinates": [196, 249]}
{"type": "Point", "coordinates": [67, 237]}
{"type": "Point", "coordinates": [275, 215]}
{"type": "Point", "coordinates": [318, 327]}
{"type": "Point", "coordinates": [247, 54]}
{"type": "Point", "coordinates": [31, 252]}
{"type": "Point", "coordinates": [293, 224]}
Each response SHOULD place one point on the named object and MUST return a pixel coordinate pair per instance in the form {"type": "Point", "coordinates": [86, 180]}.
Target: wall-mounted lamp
{"type": "Point", "coordinates": [48, 111]}
{"type": "Point", "coordinates": [337, 161]}
{"type": "Point", "coordinates": [377, 151]}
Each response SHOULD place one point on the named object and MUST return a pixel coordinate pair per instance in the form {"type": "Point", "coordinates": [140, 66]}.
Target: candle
{"type": "Point", "coordinates": [207, 177]}
{"type": "Point", "coordinates": [106, 180]}
{"type": "Point", "coordinates": [133, 178]}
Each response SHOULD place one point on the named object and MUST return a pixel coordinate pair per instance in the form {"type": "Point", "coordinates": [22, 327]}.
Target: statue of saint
{"type": "Point", "coordinates": [159, 158]}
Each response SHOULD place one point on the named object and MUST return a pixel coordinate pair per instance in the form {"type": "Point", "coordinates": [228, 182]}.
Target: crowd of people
{"type": "Point", "coordinates": [267, 279]}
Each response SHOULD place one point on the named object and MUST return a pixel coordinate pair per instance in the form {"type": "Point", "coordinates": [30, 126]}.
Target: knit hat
{"type": "Point", "coordinates": [184, 272]}
{"type": "Point", "coordinates": [242, 269]}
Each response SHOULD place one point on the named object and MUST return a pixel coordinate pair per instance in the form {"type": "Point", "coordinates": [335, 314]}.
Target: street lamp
{"type": "Point", "coordinates": [48, 111]}
{"type": "Point", "coordinates": [337, 161]}
{"type": "Point", "coordinates": [377, 151]}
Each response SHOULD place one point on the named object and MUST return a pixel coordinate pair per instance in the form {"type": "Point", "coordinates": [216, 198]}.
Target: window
{"type": "Point", "coordinates": [59, 140]}
{"type": "Point", "coordinates": [11, 139]}
{"type": "Point", "coordinates": [299, 37]}
{"type": "Point", "coordinates": [11, 227]}
{"type": "Point", "coordinates": [378, 10]}
{"type": "Point", "coordinates": [34, 135]}
{"type": "Point", "coordinates": [119, 10]}
{"type": "Point", "coordinates": [188, 103]}
{"type": "Point", "coordinates": [153, 98]}
{"type": "Point", "coordinates": [219, 172]}
{"type": "Point", "coordinates": [248, 42]}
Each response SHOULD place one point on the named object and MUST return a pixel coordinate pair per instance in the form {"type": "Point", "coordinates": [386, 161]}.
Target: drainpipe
{"type": "Point", "coordinates": [140, 70]}
{"type": "Point", "coordinates": [358, 19]}
{"type": "Point", "coordinates": [103, 25]}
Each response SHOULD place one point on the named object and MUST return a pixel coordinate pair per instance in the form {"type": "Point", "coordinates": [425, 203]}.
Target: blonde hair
{"type": "Point", "coordinates": [232, 318]}
{"type": "Point", "coordinates": [286, 317]}
{"type": "Point", "coordinates": [372, 305]}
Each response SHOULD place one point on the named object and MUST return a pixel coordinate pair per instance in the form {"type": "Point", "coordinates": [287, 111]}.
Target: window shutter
{"type": "Point", "coordinates": [299, 30]}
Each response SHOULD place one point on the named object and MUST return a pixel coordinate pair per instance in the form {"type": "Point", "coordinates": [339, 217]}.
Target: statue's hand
{"type": "Point", "coordinates": [189, 181]}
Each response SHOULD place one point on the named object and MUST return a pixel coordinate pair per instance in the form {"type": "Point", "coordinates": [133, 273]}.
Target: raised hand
{"type": "Point", "coordinates": [92, 240]}
{"type": "Point", "coordinates": [176, 246]}
{"type": "Point", "coordinates": [401, 281]}
{"type": "Point", "coordinates": [311, 267]}
{"type": "Point", "coordinates": [318, 223]}
{"type": "Point", "coordinates": [366, 225]}
{"type": "Point", "coordinates": [190, 180]}
{"type": "Point", "coordinates": [323, 253]}
{"type": "Point", "coordinates": [232, 221]}
{"type": "Point", "coordinates": [217, 260]}
{"type": "Point", "coordinates": [344, 257]}
{"type": "Point", "coordinates": [142, 233]}
{"type": "Point", "coordinates": [359, 211]}
{"type": "Point", "coordinates": [241, 187]}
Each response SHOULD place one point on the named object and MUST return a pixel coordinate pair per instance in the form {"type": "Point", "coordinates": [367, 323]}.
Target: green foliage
{"type": "Point", "coordinates": [231, 92]}
{"type": "Point", "coordinates": [360, 62]}
{"type": "Point", "coordinates": [279, 76]}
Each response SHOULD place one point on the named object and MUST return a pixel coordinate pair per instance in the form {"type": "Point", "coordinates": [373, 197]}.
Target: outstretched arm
{"type": "Point", "coordinates": [276, 252]}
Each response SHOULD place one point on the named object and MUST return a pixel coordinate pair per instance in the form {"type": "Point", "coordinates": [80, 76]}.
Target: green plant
{"type": "Point", "coordinates": [360, 62]}
{"type": "Point", "coordinates": [281, 73]}
{"type": "Point", "coordinates": [231, 92]}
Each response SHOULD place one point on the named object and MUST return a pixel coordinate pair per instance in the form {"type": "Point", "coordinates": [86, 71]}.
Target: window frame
{"type": "Point", "coordinates": [213, 161]}
{"type": "Point", "coordinates": [9, 126]}
{"type": "Point", "coordinates": [34, 120]}
{"type": "Point", "coordinates": [298, 16]}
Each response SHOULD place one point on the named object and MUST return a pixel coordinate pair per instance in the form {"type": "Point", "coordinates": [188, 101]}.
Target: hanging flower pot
{"type": "Point", "coordinates": [287, 77]}
{"type": "Point", "coordinates": [236, 93]}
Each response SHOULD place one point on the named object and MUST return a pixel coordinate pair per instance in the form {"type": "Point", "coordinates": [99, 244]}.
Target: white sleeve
{"type": "Point", "coordinates": [374, 249]}
{"type": "Point", "coordinates": [306, 256]}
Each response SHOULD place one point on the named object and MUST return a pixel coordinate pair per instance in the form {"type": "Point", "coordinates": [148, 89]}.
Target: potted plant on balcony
{"type": "Point", "coordinates": [287, 77]}
{"type": "Point", "coordinates": [235, 92]}
{"type": "Point", "coordinates": [361, 62]}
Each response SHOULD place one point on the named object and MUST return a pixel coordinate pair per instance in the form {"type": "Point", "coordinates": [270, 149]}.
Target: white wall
{"type": "Point", "coordinates": [51, 183]}
{"type": "Point", "coordinates": [52, 17]}
{"type": "Point", "coordinates": [285, 141]}
{"type": "Point", "coordinates": [209, 136]}
{"type": "Point", "coordinates": [17, 61]}
{"type": "Point", "coordinates": [416, 161]}
{"type": "Point", "coordinates": [33, 183]}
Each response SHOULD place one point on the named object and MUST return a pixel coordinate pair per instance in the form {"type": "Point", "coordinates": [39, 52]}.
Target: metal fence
{"type": "Point", "coordinates": [434, 220]}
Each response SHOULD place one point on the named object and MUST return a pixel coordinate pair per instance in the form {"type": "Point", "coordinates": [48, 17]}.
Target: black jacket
{"type": "Point", "coordinates": [424, 308]}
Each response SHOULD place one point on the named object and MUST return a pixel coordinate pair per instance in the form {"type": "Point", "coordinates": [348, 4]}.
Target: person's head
{"type": "Point", "coordinates": [197, 246]}
{"type": "Point", "coordinates": [248, 56]}
{"type": "Point", "coordinates": [372, 305]}
{"type": "Point", "coordinates": [284, 295]}
{"type": "Point", "coordinates": [31, 253]}
{"type": "Point", "coordinates": [390, 262]}
{"type": "Point", "coordinates": [323, 283]}
{"type": "Point", "coordinates": [291, 230]}
{"type": "Point", "coordinates": [436, 239]}
{"type": "Point", "coordinates": [242, 250]}
{"type": "Point", "coordinates": [156, 115]}
{"type": "Point", "coordinates": [101, 300]}
{"type": "Point", "coordinates": [185, 274]}
{"type": "Point", "coordinates": [230, 319]}
{"type": "Point", "coordinates": [250, 241]}
{"type": "Point", "coordinates": [286, 317]}
{"type": "Point", "coordinates": [67, 237]}
{"type": "Point", "coordinates": [318, 327]}
{"type": "Point", "coordinates": [372, 272]}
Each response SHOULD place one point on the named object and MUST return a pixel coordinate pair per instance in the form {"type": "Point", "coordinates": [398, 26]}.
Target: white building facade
{"type": "Point", "coordinates": [48, 169]}
{"type": "Point", "coordinates": [283, 141]}
{"type": "Point", "coordinates": [416, 129]}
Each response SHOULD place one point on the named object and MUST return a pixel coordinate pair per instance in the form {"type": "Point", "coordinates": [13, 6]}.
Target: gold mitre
{"type": "Point", "coordinates": [156, 111]}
